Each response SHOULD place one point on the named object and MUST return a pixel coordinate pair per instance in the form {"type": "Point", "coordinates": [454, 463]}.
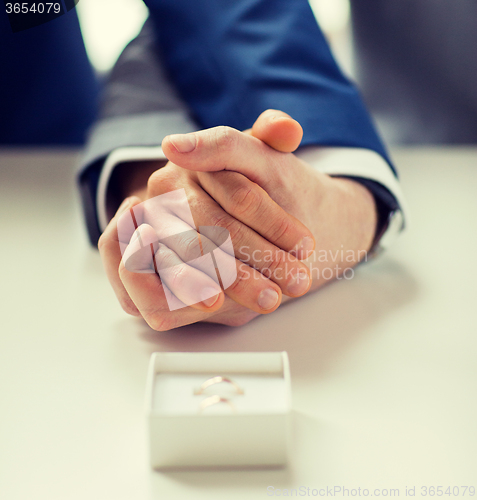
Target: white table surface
{"type": "Point", "coordinates": [384, 371]}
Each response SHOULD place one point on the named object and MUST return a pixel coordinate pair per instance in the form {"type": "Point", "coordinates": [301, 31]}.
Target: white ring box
{"type": "Point", "coordinates": [249, 429]}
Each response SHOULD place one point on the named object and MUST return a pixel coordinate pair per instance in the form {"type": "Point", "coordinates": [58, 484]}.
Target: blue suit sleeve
{"type": "Point", "coordinates": [232, 59]}
{"type": "Point", "coordinates": [48, 88]}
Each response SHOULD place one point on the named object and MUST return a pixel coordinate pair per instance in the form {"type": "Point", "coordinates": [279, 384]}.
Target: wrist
{"type": "Point", "coordinates": [344, 223]}
{"type": "Point", "coordinates": [360, 212]}
{"type": "Point", "coordinates": [130, 179]}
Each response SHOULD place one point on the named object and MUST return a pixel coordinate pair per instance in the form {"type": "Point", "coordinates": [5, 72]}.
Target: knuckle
{"type": "Point", "coordinates": [177, 280]}
{"type": "Point", "coordinates": [225, 139]}
{"type": "Point", "coordinates": [154, 180]}
{"type": "Point", "coordinates": [102, 242]}
{"type": "Point", "coordinates": [234, 227]}
{"type": "Point", "coordinates": [240, 319]}
{"type": "Point", "coordinates": [245, 200]}
{"type": "Point", "coordinates": [164, 257]}
{"type": "Point", "coordinates": [161, 322]}
{"type": "Point", "coordinates": [189, 247]}
{"type": "Point", "coordinates": [279, 166]}
{"type": "Point", "coordinates": [161, 181]}
{"type": "Point", "coordinates": [276, 266]}
{"type": "Point", "coordinates": [128, 307]}
{"type": "Point", "coordinates": [281, 227]}
{"type": "Point", "coordinates": [159, 318]}
{"type": "Point", "coordinates": [238, 285]}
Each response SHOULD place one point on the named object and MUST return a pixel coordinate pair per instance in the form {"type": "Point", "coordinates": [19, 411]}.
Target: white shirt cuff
{"type": "Point", "coordinates": [121, 155]}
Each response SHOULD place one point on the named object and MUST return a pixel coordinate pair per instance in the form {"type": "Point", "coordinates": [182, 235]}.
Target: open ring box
{"type": "Point", "coordinates": [193, 424]}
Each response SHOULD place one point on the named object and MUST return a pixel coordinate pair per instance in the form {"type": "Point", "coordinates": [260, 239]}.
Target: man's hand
{"type": "Point", "coordinates": [262, 235]}
{"type": "Point", "coordinates": [237, 171]}
{"type": "Point", "coordinates": [341, 213]}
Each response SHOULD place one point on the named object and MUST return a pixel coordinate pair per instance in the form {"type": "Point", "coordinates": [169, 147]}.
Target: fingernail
{"type": "Point", "coordinates": [268, 299]}
{"type": "Point", "coordinates": [184, 143]}
{"type": "Point", "coordinates": [299, 285]}
{"type": "Point", "coordinates": [302, 248]}
{"type": "Point", "coordinates": [209, 296]}
{"type": "Point", "coordinates": [124, 206]}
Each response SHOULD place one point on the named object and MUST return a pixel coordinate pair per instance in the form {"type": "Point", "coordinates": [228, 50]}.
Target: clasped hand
{"type": "Point", "coordinates": [273, 205]}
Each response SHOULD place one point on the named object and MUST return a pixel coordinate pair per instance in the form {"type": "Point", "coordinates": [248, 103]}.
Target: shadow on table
{"type": "Point", "coordinates": [314, 330]}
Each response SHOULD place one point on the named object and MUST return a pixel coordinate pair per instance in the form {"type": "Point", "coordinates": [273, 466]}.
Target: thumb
{"type": "Point", "coordinates": [278, 130]}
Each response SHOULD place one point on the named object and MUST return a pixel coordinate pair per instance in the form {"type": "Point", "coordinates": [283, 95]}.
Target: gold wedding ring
{"type": "Point", "coordinates": [217, 380]}
{"type": "Point", "coordinates": [213, 400]}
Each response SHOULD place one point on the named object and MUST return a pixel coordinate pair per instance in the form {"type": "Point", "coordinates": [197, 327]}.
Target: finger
{"type": "Point", "coordinates": [190, 285]}
{"type": "Point", "coordinates": [243, 284]}
{"type": "Point", "coordinates": [139, 255]}
{"type": "Point", "coordinates": [150, 299]}
{"type": "Point", "coordinates": [146, 255]}
{"type": "Point", "coordinates": [247, 202]}
{"type": "Point", "coordinates": [213, 249]}
{"type": "Point", "coordinates": [252, 289]}
{"type": "Point", "coordinates": [249, 289]}
{"type": "Point", "coordinates": [242, 199]}
{"type": "Point", "coordinates": [110, 252]}
{"type": "Point", "coordinates": [211, 253]}
{"type": "Point", "coordinates": [225, 148]}
{"type": "Point", "coordinates": [232, 314]}
{"type": "Point", "coordinates": [284, 269]}
{"type": "Point", "coordinates": [291, 275]}
{"type": "Point", "coordinates": [279, 130]}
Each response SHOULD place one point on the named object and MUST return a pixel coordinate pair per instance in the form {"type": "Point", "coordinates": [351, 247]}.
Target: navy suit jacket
{"type": "Point", "coordinates": [48, 90]}
{"type": "Point", "coordinates": [232, 59]}
{"type": "Point", "coordinates": [229, 59]}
